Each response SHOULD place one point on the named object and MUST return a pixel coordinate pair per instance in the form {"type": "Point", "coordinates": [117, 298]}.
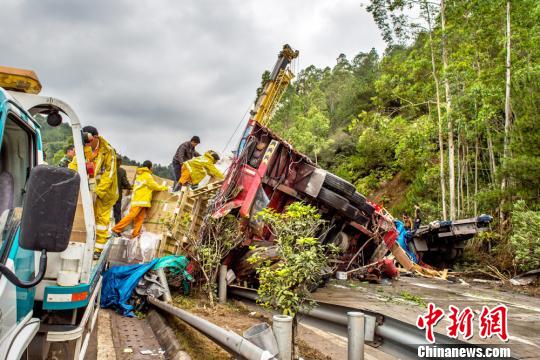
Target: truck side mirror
{"type": "Point", "coordinates": [49, 208]}
{"type": "Point", "coordinates": [47, 219]}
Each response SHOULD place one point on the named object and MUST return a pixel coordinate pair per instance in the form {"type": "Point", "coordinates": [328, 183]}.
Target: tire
{"type": "Point", "coordinates": [367, 209]}
{"type": "Point", "coordinates": [357, 199]}
{"type": "Point", "coordinates": [362, 219]}
{"type": "Point", "coordinates": [351, 212]}
{"type": "Point", "coordinates": [333, 200]}
{"type": "Point", "coordinates": [338, 185]}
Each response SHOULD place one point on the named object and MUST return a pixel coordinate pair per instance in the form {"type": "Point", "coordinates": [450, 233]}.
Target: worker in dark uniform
{"type": "Point", "coordinates": [123, 184]}
{"type": "Point", "coordinates": [417, 216]}
{"type": "Point", "coordinates": [186, 151]}
{"type": "Point", "coordinates": [407, 223]}
{"type": "Point", "coordinates": [68, 157]}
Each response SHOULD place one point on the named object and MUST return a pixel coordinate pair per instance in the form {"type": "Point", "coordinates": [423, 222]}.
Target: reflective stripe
{"type": "Point", "coordinates": [99, 245]}
{"type": "Point", "coordinates": [140, 203]}
{"type": "Point", "coordinates": [113, 164]}
{"type": "Point", "coordinates": [59, 297]}
{"type": "Point", "coordinates": [102, 227]}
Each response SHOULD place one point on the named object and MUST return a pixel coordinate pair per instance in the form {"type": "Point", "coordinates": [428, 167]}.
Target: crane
{"type": "Point", "coordinates": [274, 88]}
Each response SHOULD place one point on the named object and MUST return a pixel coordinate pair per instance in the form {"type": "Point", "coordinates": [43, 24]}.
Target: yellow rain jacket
{"type": "Point", "coordinates": [104, 159]}
{"type": "Point", "coordinates": [201, 166]}
{"type": "Point", "coordinates": [143, 188]}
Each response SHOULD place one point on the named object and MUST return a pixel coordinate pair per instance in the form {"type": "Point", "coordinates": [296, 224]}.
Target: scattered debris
{"type": "Point", "coordinates": [485, 281]}
{"type": "Point", "coordinates": [527, 278]}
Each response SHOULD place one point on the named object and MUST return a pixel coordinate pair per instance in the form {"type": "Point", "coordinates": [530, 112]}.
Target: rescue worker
{"type": "Point", "coordinates": [68, 157]}
{"type": "Point", "coordinates": [407, 223]}
{"type": "Point", "coordinates": [123, 184]}
{"type": "Point", "coordinates": [417, 216]}
{"type": "Point", "coordinates": [186, 151]}
{"type": "Point", "coordinates": [143, 188]}
{"type": "Point", "coordinates": [194, 170]}
{"type": "Point", "coordinates": [101, 164]}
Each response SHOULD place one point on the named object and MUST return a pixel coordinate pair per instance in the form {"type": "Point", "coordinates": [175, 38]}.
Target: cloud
{"type": "Point", "coordinates": [149, 74]}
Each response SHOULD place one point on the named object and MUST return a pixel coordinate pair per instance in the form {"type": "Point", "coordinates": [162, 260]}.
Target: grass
{"type": "Point", "coordinates": [184, 302]}
{"type": "Point", "coordinates": [405, 295]}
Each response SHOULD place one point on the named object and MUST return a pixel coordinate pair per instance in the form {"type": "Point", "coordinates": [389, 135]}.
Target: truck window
{"type": "Point", "coordinates": [17, 156]}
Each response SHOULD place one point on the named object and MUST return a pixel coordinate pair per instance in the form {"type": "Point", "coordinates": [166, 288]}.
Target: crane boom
{"type": "Point", "coordinates": [274, 88]}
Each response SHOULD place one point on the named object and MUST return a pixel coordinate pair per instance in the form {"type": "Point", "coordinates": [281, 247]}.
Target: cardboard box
{"type": "Point", "coordinates": [78, 232]}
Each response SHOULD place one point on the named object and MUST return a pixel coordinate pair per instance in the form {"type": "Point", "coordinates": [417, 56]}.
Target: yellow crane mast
{"type": "Point", "coordinates": [274, 88]}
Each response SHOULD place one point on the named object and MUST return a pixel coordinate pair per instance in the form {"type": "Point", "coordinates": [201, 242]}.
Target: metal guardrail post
{"type": "Point", "coordinates": [163, 280]}
{"type": "Point", "coordinates": [356, 323]}
{"type": "Point", "coordinates": [282, 326]}
{"type": "Point", "coordinates": [222, 290]}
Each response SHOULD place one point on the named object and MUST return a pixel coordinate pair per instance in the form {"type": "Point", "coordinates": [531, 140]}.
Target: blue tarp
{"type": "Point", "coordinates": [118, 284]}
{"type": "Point", "coordinates": [120, 281]}
{"type": "Point", "coordinates": [403, 239]}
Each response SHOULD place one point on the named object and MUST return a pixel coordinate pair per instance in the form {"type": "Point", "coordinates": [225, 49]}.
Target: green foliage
{"type": "Point", "coordinates": [56, 139]}
{"type": "Point", "coordinates": [157, 169]}
{"type": "Point", "coordinates": [525, 236]}
{"type": "Point", "coordinates": [413, 298]}
{"type": "Point", "coordinates": [285, 284]}
{"type": "Point", "coordinates": [382, 117]}
{"type": "Point", "coordinates": [310, 132]}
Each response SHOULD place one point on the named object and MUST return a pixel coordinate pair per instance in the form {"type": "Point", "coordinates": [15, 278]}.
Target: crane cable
{"type": "Point", "coordinates": [236, 129]}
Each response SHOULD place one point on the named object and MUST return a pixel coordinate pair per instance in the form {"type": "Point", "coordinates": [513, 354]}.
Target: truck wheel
{"type": "Point", "coordinates": [351, 212]}
{"type": "Point", "coordinates": [367, 209]}
{"type": "Point", "coordinates": [333, 200]}
{"type": "Point", "coordinates": [338, 185]}
{"type": "Point", "coordinates": [357, 199]}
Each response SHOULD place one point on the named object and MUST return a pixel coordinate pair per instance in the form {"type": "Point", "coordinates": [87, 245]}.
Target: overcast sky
{"type": "Point", "coordinates": [149, 74]}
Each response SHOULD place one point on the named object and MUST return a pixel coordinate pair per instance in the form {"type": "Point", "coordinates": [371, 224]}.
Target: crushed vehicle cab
{"type": "Point", "coordinates": [52, 297]}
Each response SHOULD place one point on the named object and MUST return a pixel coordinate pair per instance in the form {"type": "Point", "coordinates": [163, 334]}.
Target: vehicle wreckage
{"type": "Point", "coordinates": [267, 172]}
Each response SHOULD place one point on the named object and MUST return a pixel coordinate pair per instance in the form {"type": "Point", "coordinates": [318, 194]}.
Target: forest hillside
{"type": "Point", "coordinates": [448, 117]}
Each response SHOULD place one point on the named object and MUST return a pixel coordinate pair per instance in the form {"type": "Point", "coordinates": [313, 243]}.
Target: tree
{"type": "Point", "coordinates": [301, 258]}
{"type": "Point", "coordinates": [507, 110]}
{"type": "Point", "coordinates": [216, 239]}
{"type": "Point", "coordinates": [310, 132]}
{"type": "Point", "coordinates": [449, 120]}
{"type": "Point", "coordinates": [524, 238]}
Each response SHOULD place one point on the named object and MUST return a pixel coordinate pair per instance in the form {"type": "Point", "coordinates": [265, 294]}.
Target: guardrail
{"type": "Point", "coordinates": [228, 340]}
{"type": "Point", "coordinates": [389, 335]}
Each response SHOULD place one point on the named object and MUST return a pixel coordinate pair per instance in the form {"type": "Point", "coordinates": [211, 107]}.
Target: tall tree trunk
{"type": "Point", "coordinates": [476, 151]}
{"type": "Point", "coordinates": [466, 171]}
{"type": "Point", "coordinates": [491, 153]}
{"type": "Point", "coordinates": [451, 168]}
{"type": "Point", "coordinates": [507, 114]}
{"type": "Point", "coordinates": [459, 187]}
{"type": "Point", "coordinates": [439, 115]}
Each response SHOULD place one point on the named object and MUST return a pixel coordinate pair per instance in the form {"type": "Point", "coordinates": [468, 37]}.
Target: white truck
{"type": "Point", "coordinates": [38, 212]}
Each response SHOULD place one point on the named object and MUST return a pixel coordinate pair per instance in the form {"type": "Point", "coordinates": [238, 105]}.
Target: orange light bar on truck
{"type": "Point", "coordinates": [19, 80]}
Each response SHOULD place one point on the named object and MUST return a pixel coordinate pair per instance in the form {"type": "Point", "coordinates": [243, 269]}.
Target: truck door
{"type": "Point", "coordinates": [17, 157]}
